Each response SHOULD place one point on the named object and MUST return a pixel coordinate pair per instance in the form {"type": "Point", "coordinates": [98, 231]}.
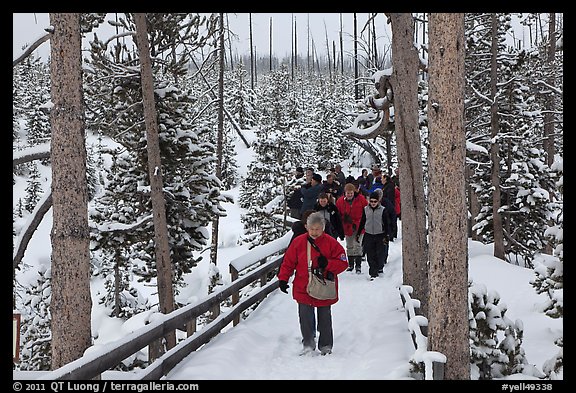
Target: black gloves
{"type": "Point", "coordinates": [322, 262]}
{"type": "Point", "coordinates": [284, 286]}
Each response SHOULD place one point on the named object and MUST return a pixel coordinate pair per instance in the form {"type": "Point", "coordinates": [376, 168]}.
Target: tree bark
{"type": "Point", "coordinates": [161, 244]}
{"type": "Point", "coordinates": [448, 331]}
{"type": "Point", "coordinates": [405, 86]}
{"type": "Point", "coordinates": [550, 105]}
{"type": "Point", "coordinates": [252, 66]}
{"type": "Point", "coordinates": [495, 146]}
{"type": "Point", "coordinates": [220, 137]}
{"type": "Point", "coordinates": [71, 302]}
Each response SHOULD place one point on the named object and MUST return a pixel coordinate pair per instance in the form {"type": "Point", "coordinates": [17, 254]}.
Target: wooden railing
{"type": "Point", "coordinates": [432, 361]}
{"type": "Point", "coordinates": [102, 358]}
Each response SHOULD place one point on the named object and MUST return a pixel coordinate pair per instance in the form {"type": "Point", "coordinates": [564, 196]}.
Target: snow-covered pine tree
{"type": "Point", "coordinates": [477, 111]}
{"type": "Point", "coordinates": [277, 153]}
{"type": "Point", "coordinates": [35, 337]}
{"type": "Point", "coordinates": [191, 189]}
{"type": "Point", "coordinates": [491, 355]}
{"type": "Point", "coordinates": [113, 237]}
{"type": "Point", "coordinates": [325, 114]}
{"type": "Point", "coordinates": [264, 189]}
{"type": "Point", "coordinates": [33, 189]}
{"type": "Point", "coordinates": [241, 100]}
{"type": "Point", "coordinates": [550, 275]}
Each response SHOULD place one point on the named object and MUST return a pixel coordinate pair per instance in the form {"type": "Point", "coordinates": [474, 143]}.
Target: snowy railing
{"type": "Point", "coordinates": [100, 358]}
{"type": "Point", "coordinates": [418, 324]}
{"type": "Point", "coordinates": [261, 255]}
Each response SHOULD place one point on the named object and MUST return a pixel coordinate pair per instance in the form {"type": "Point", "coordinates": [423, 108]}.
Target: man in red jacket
{"type": "Point", "coordinates": [330, 259]}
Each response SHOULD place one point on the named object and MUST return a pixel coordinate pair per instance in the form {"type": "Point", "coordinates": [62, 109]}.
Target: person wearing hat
{"type": "Point", "coordinates": [350, 207]}
{"type": "Point", "coordinates": [310, 192]}
{"type": "Point", "coordinates": [376, 226]}
{"type": "Point", "coordinates": [295, 199]}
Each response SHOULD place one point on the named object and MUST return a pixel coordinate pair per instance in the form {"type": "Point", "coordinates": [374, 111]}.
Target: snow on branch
{"type": "Point", "coordinates": [32, 153]}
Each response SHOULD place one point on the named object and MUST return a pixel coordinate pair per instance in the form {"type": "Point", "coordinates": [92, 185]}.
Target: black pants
{"type": "Point", "coordinates": [376, 252]}
{"type": "Point", "coordinates": [308, 326]}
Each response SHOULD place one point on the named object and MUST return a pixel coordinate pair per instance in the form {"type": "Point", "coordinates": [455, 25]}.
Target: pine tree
{"type": "Point", "coordinates": [33, 189]}
{"type": "Point", "coordinates": [491, 356]}
{"type": "Point", "coordinates": [550, 274]}
{"type": "Point", "coordinates": [35, 335]}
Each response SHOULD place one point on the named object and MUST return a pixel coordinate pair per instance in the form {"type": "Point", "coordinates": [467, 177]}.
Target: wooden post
{"type": "Point", "coordinates": [235, 295]}
{"type": "Point", "coordinates": [16, 336]}
{"type": "Point", "coordinates": [191, 328]}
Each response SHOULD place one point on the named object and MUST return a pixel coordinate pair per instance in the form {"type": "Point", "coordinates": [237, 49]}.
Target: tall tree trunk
{"type": "Point", "coordinates": [161, 244]}
{"type": "Point", "coordinates": [71, 303]}
{"type": "Point", "coordinates": [328, 53]}
{"type": "Point", "coordinates": [341, 49]}
{"type": "Point", "coordinates": [230, 46]}
{"type": "Point", "coordinates": [252, 66]}
{"type": "Point", "coordinates": [473, 204]}
{"type": "Point", "coordinates": [448, 308]}
{"type": "Point", "coordinates": [404, 82]}
{"type": "Point", "coordinates": [270, 44]}
{"type": "Point", "coordinates": [374, 41]}
{"type": "Point", "coordinates": [215, 222]}
{"type": "Point", "coordinates": [356, 91]}
{"type": "Point", "coordinates": [495, 146]}
{"type": "Point", "coordinates": [308, 48]}
{"type": "Point", "coordinates": [295, 45]}
{"type": "Point", "coordinates": [550, 103]}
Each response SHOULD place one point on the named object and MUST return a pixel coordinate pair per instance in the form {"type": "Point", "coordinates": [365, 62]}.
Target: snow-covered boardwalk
{"type": "Point", "coordinates": [371, 337]}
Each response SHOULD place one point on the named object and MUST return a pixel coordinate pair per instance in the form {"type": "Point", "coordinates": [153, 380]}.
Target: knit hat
{"type": "Point", "coordinates": [317, 177]}
{"type": "Point", "coordinates": [375, 195]}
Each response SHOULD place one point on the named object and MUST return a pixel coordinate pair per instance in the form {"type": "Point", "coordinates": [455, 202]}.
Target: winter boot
{"type": "Point", "coordinates": [350, 264]}
{"type": "Point", "coordinates": [358, 261]}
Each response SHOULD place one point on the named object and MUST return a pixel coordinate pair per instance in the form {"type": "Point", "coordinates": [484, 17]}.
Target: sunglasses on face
{"type": "Point", "coordinates": [373, 201]}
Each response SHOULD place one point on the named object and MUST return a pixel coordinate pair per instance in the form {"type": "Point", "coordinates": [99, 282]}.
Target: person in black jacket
{"type": "Point", "coordinates": [295, 199]}
{"type": "Point", "coordinates": [330, 212]}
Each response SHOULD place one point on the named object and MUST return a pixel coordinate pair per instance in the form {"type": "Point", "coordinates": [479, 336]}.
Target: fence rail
{"type": "Point", "coordinates": [432, 361]}
{"type": "Point", "coordinates": [108, 356]}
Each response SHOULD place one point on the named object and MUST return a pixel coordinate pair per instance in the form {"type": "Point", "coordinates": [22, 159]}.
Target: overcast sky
{"type": "Point", "coordinates": [28, 27]}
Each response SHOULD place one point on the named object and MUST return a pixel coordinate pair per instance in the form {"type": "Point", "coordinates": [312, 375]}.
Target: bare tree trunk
{"type": "Point", "coordinates": [161, 244]}
{"type": "Point", "coordinates": [295, 45]}
{"type": "Point", "coordinates": [405, 84]}
{"type": "Point", "coordinates": [328, 53]}
{"type": "Point", "coordinates": [474, 205]}
{"type": "Point", "coordinates": [374, 41]}
{"type": "Point", "coordinates": [252, 66]}
{"type": "Point", "coordinates": [270, 44]}
{"type": "Point", "coordinates": [230, 46]}
{"type": "Point", "coordinates": [308, 47]}
{"type": "Point", "coordinates": [215, 222]}
{"type": "Point", "coordinates": [356, 91]}
{"type": "Point", "coordinates": [448, 331]}
{"type": "Point", "coordinates": [71, 303]}
{"type": "Point", "coordinates": [550, 103]}
{"type": "Point", "coordinates": [341, 49]}
{"type": "Point", "coordinates": [24, 239]}
{"type": "Point", "coordinates": [495, 146]}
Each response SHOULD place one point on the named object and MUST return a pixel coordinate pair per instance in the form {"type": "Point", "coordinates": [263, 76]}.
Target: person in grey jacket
{"type": "Point", "coordinates": [375, 224]}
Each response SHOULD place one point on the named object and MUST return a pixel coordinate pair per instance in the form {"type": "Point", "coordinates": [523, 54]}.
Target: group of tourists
{"type": "Point", "coordinates": [360, 211]}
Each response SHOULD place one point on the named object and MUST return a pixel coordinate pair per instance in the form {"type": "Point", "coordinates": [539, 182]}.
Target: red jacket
{"type": "Point", "coordinates": [296, 259]}
{"type": "Point", "coordinates": [354, 211]}
{"type": "Point", "coordinates": [397, 201]}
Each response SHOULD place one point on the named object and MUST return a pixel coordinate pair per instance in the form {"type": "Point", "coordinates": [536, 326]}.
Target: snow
{"type": "Point", "coordinates": [371, 330]}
